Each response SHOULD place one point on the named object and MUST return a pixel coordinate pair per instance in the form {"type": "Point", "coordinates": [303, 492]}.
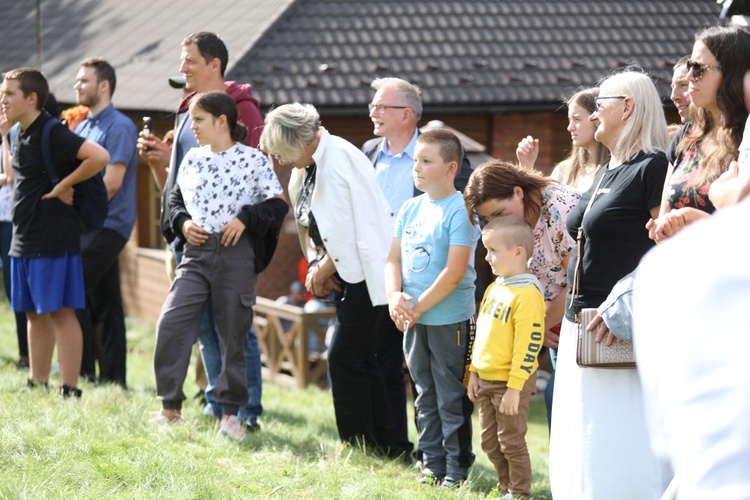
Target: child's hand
{"type": "Point", "coordinates": [194, 234]}
{"type": "Point", "coordinates": [509, 403]}
{"type": "Point", "coordinates": [231, 232]}
{"type": "Point", "coordinates": [399, 310]}
{"type": "Point", "coordinates": [61, 191]}
{"type": "Point", "coordinates": [473, 388]}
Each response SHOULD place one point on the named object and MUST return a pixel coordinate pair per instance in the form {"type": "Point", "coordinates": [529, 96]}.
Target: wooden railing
{"type": "Point", "coordinates": [285, 355]}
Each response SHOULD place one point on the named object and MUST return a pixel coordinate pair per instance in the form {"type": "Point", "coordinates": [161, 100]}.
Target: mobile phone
{"type": "Point", "coordinates": [146, 131]}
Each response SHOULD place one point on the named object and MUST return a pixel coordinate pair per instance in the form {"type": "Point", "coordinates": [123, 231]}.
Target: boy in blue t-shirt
{"type": "Point", "coordinates": [430, 285]}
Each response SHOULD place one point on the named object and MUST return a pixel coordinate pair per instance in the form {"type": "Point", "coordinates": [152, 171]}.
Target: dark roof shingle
{"type": "Point", "coordinates": [467, 53]}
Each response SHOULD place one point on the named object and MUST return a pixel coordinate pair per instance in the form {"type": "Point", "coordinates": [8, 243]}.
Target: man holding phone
{"type": "Point", "coordinates": [204, 60]}
{"type": "Point", "coordinates": [103, 320]}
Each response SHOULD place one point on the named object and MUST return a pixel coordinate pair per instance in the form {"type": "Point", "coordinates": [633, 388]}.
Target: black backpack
{"type": "Point", "coordinates": [89, 197]}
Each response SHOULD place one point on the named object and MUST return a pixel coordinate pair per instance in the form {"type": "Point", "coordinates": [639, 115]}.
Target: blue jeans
{"type": "Point", "coordinates": [209, 345]}
{"type": "Point", "coordinates": [211, 354]}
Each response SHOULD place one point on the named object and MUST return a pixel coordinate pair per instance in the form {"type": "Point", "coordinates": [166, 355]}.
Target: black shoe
{"type": "Point", "coordinates": [201, 397]}
{"type": "Point", "coordinates": [22, 364]}
{"type": "Point", "coordinates": [251, 427]}
{"type": "Point", "coordinates": [32, 385]}
{"type": "Point", "coordinates": [406, 459]}
{"type": "Point", "coordinates": [70, 392]}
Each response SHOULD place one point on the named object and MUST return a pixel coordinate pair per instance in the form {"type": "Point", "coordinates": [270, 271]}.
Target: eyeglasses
{"type": "Point", "coordinates": [381, 108]}
{"type": "Point", "coordinates": [604, 97]}
{"type": "Point", "coordinates": [699, 68]}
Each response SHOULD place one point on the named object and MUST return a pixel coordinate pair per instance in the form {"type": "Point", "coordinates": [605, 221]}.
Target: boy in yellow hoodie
{"type": "Point", "coordinates": [509, 335]}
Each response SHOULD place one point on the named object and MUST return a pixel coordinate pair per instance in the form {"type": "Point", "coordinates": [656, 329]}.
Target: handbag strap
{"type": "Point", "coordinates": [579, 246]}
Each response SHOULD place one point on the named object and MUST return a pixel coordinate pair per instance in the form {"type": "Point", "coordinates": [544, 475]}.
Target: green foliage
{"type": "Point", "coordinates": [103, 446]}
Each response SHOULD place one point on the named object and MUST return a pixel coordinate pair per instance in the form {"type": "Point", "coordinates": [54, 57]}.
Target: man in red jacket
{"type": "Point", "coordinates": [204, 60]}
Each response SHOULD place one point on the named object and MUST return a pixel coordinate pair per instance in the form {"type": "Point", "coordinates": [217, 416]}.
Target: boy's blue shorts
{"type": "Point", "coordinates": [46, 284]}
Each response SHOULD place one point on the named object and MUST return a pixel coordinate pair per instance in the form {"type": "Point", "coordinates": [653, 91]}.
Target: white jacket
{"type": "Point", "coordinates": [353, 215]}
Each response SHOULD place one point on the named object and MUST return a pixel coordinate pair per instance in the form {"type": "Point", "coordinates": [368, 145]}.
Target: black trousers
{"type": "Point", "coordinates": [390, 345]}
{"type": "Point", "coordinates": [103, 320]}
{"type": "Point", "coordinates": [359, 399]}
{"type": "Point", "coordinates": [6, 235]}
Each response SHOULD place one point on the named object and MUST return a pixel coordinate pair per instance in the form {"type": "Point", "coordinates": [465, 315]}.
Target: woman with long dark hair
{"type": "Point", "coordinates": [716, 69]}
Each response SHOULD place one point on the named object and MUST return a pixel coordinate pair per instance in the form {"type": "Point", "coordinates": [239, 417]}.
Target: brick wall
{"type": "Point", "coordinates": [144, 282]}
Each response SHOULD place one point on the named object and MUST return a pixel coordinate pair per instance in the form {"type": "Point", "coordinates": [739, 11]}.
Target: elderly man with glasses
{"type": "Point", "coordinates": [395, 111]}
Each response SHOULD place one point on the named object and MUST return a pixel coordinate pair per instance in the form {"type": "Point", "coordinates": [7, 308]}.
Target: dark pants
{"type": "Point", "coordinates": [390, 342]}
{"type": "Point", "coordinates": [6, 235]}
{"type": "Point", "coordinates": [359, 398]}
{"type": "Point", "coordinates": [436, 356]}
{"type": "Point", "coordinates": [103, 320]}
{"type": "Point", "coordinates": [225, 277]}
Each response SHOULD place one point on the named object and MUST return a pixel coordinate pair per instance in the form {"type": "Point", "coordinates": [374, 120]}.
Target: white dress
{"type": "Point", "coordinates": [599, 446]}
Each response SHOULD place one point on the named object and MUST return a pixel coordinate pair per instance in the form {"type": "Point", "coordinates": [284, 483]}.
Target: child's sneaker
{"type": "Point", "coordinates": [511, 496]}
{"type": "Point", "coordinates": [165, 417]}
{"type": "Point", "coordinates": [231, 426]}
{"type": "Point", "coordinates": [449, 483]}
{"type": "Point", "coordinates": [429, 478]}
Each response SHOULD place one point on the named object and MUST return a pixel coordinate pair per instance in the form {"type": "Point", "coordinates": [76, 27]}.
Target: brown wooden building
{"type": "Point", "coordinates": [494, 69]}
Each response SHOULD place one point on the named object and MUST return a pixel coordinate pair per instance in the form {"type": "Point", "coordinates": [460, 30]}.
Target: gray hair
{"type": "Point", "coordinates": [288, 129]}
{"type": "Point", "coordinates": [646, 129]}
{"type": "Point", "coordinates": [408, 91]}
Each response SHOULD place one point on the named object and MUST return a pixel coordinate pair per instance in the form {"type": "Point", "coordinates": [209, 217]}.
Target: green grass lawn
{"type": "Point", "coordinates": [102, 446]}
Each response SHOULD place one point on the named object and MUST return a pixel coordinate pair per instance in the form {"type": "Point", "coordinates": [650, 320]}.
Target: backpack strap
{"type": "Point", "coordinates": [49, 165]}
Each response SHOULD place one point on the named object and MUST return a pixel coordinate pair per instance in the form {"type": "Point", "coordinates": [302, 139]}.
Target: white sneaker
{"type": "Point", "coordinates": [232, 427]}
{"type": "Point", "coordinates": [166, 417]}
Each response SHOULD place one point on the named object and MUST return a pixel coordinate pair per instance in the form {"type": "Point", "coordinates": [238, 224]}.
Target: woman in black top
{"type": "Point", "coordinates": [599, 446]}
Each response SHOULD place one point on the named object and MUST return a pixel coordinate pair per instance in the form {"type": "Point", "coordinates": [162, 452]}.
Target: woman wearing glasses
{"type": "Point", "coordinates": [345, 228]}
{"type": "Point", "coordinates": [578, 170]}
{"type": "Point", "coordinates": [599, 446]}
{"type": "Point", "coordinates": [716, 68]}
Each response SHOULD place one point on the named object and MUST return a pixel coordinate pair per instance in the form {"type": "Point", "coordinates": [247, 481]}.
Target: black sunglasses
{"type": "Point", "coordinates": [699, 68]}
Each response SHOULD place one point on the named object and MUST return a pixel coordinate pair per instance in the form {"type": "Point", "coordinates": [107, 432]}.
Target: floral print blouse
{"type": "Point", "coordinates": [552, 243]}
{"type": "Point", "coordinates": [681, 193]}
